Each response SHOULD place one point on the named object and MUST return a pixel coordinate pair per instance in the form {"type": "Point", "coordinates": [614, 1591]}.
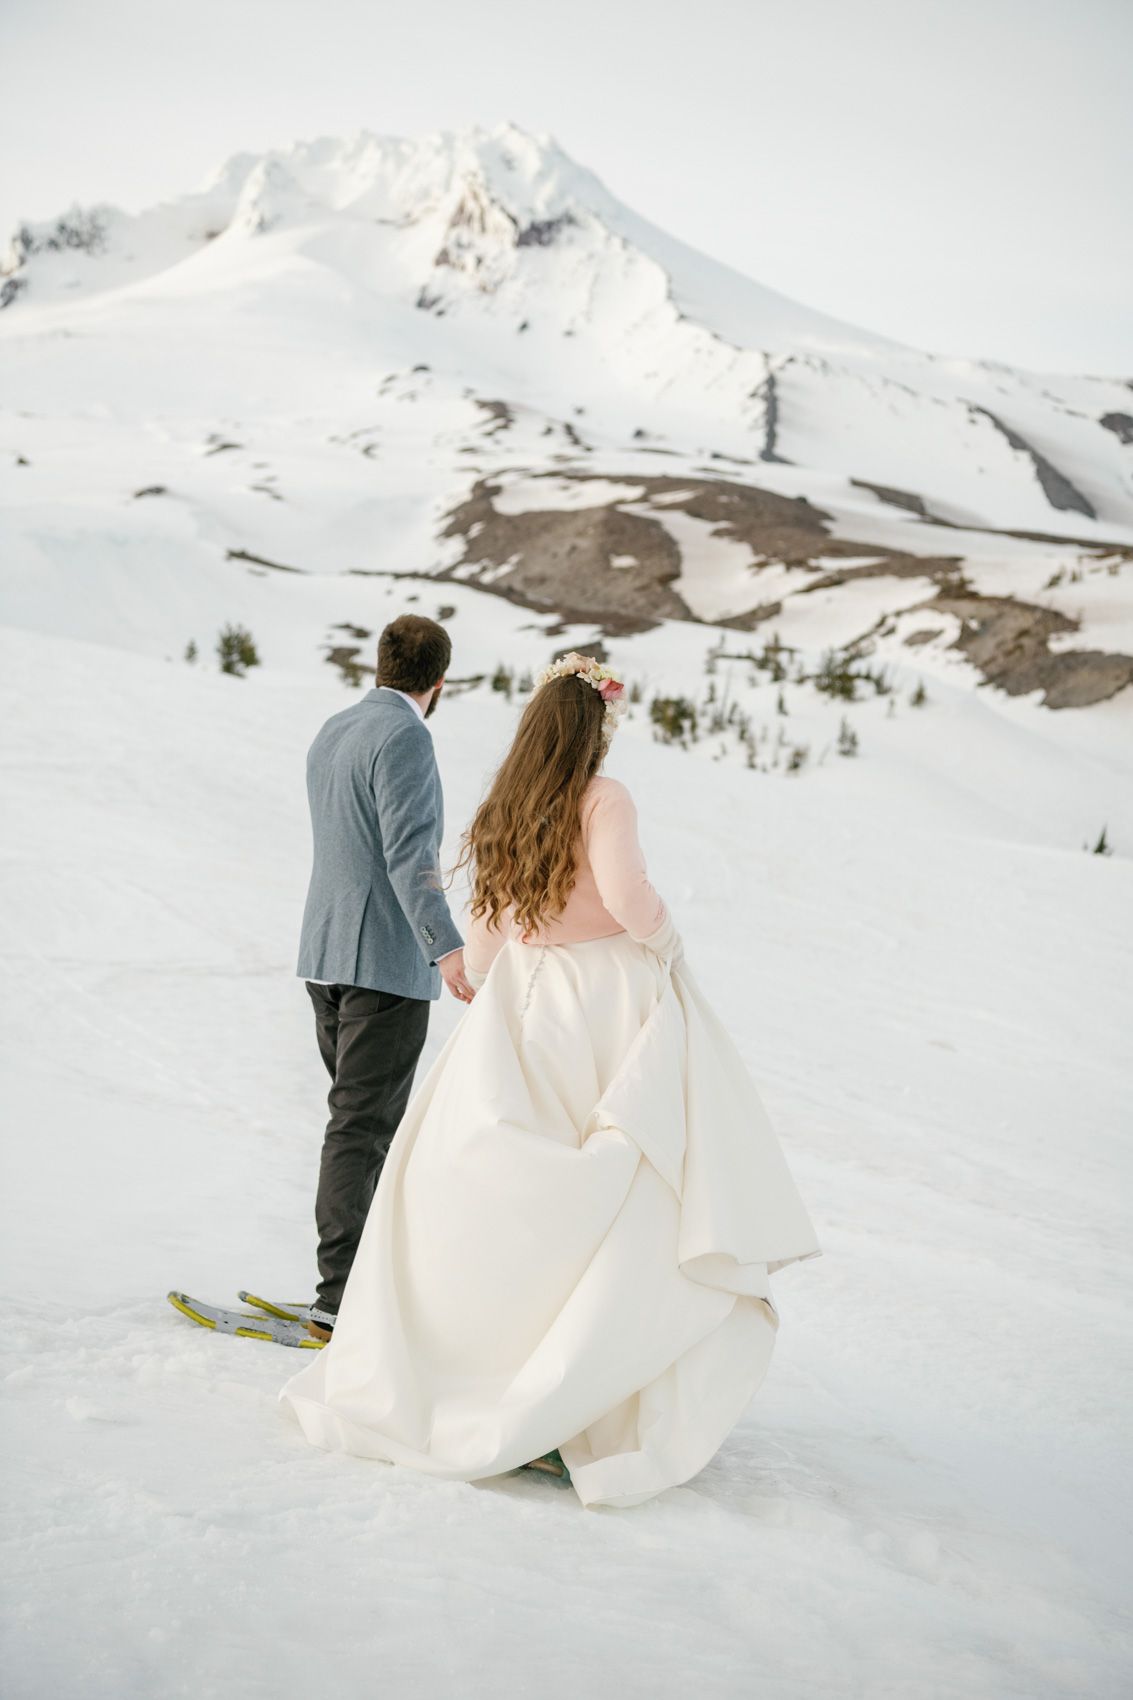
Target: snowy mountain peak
{"type": "Point", "coordinates": [389, 178]}
{"type": "Point", "coordinates": [476, 196]}
{"type": "Point", "coordinates": [555, 399]}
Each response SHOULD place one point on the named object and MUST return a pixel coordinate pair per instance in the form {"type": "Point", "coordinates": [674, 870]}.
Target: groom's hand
{"type": "Point", "coordinates": [452, 972]}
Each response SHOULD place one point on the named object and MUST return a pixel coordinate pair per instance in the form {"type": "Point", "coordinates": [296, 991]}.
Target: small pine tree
{"type": "Point", "coordinates": [674, 720]}
{"type": "Point", "coordinates": [525, 683]}
{"type": "Point", "coordinates": [796, 758]}
{"type": "Point", "coordinates": [847, 739]}
{"type": "Point", "coordinates": [191, 650]}
{"type": "Point", "coordinates": [772, 658]}
{"type": "Point", "coordinates": [781, 704]}
{"type": "Point", "coordinates": [1103, 846]}
{"type": "Point", "coordinates": [635, 691]}
{"type": "Point", "coordinates": [502, 680]}
{"type": "Point", "coordinates": [919, 696]}
{"type": "Point", "coordinates": [836, 676]}
{"type": "Point", "coordinates": [236, 650]}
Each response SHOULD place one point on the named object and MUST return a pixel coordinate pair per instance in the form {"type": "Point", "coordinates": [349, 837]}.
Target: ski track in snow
{"type": "Point", "coordinates": [930, 982]}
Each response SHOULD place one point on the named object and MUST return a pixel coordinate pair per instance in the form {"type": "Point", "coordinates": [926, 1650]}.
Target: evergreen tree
{"type": "Point", "coordinates": [236, 650]}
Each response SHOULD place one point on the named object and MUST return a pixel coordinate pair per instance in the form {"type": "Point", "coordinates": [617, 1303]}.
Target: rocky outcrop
{"type": "Point", "coordinates": [617, 565]}
{"type": "Point", "coordinates": [1056, 487]}
{"type": "Point", "coordinates": [1008, 641]}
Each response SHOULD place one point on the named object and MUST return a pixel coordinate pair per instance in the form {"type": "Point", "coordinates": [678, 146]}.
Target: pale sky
{"type": "Point", "coordinates": [953, 173]}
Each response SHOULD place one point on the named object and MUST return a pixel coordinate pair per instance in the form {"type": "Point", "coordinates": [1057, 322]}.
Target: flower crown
{"type": "Point", "coordinates": [610, 689]}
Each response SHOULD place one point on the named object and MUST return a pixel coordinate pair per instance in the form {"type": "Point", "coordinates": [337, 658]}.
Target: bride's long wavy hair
{"type": "Point", "coordinates": [522, 842]}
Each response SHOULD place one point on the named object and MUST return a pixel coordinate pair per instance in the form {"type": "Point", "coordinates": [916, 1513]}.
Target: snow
{"type": "Point", "coordinates": [304, 277]}
{"type": "Point", "coordinates": [716, 572]}
{"type": "Point", "coordinates": [926, 973]}
{"type": "Point", "coordinates": [930, 982]}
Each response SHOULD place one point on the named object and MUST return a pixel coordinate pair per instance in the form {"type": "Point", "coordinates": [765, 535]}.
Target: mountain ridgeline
{"type": "Point", "coordinates": [462, 357]}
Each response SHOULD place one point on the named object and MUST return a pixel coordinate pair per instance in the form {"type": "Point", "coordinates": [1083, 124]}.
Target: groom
{"type": "Point", "coordinates": [377, 935]}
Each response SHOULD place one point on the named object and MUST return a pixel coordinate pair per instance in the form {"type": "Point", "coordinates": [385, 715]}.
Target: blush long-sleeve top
{"type": "Point", "coordinates": [612, 892]}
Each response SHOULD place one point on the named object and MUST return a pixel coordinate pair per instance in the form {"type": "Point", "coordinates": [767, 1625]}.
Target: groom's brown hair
{"type": "Point", "coordinates": [413, 653]}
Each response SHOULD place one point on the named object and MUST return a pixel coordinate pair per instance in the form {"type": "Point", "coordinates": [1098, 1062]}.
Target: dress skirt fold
{"type": "Point", "coordinates": [571, 1240]}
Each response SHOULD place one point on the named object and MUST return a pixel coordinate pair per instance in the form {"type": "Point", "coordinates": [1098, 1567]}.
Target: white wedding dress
{"type": "Point", "coordinates": [571, 1239]}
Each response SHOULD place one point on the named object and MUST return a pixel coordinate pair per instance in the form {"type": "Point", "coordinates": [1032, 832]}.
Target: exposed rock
{"type": "Point", "coordinates": [947, 570]}
{"type": "Point", "coordinates": [1056, 487]}
{"type": "Point", "coordinates": [753, 617]}
{"type": "Point", "coordinates": [1008, 641]}
{"type": "Point", "coordinates": [540, 233]}
{"type": "Point", "coordinates": [563, 559]}
{"type": "Point", "coordinates": [907, 499]}
{"type": "Point", "coordinates": [560, 559]}
{"type": "Point", "coordinates": [1121, 424]}
{"type": "Point", "coordinates": [500, 414]}
{"type": "Point", "coordinates": [552, 556]}
{"type": "Point", "coordinates": [259, 561]}
{"type": "Point", "coordinates": [768, 393]}
{"type": "Point", "coordinates": [345, 658]}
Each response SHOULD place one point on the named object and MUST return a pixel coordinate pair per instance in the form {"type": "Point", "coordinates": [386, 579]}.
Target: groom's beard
{"type": "Point", "coordinates": [434, 700]}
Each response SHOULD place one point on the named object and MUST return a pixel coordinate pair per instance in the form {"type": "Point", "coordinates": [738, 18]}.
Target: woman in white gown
{"type": "Point", "coordinates": [570, 1243]}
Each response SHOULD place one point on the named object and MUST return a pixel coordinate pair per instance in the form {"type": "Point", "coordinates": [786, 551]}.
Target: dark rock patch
{"type": "Point", "coordinates": [906, 499]}
{"type": "Point", "coordinates": [1121, 424]}
{"type": "Point", "coordinates": [1008, 641]}
{"type": "Point", "coordinates": [1056, 487]}
{"type": "Point", "coordinates": [753, 617]}
{"type": "Point", "coordinates": [561, 560]}
{"type": "Point", "coordinates": [768, 393]}
{"type": "Point", "coordinates": [345, 658]}
{"type": "Point", "coordinates": [259, 561]}
{"type": "Point", "coordinates": [541, 232]}
{"type": "Point", "coordinates": [557, 558]}
{"type": "Point", "coordinates": [499, 412]}
{"type": "Point", "coordinates": [947, 570]}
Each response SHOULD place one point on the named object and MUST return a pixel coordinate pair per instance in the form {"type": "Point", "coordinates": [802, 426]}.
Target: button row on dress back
{"type": "Point", "coordinates": [543, 949]}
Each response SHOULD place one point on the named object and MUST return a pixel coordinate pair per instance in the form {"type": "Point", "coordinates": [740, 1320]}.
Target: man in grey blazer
{"type": "Point", "coordinates": [378, 937]}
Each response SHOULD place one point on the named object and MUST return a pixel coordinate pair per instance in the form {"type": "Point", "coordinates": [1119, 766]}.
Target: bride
{"type": "Point", "coordinates": [569, 1250]}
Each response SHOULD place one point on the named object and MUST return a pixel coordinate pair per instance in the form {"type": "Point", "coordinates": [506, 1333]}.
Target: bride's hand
{"type": "Point", "coordinates": [454, 976]}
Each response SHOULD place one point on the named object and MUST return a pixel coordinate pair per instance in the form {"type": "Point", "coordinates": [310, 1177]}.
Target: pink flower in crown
{"type": "Point", "coordinates": [610, 689]}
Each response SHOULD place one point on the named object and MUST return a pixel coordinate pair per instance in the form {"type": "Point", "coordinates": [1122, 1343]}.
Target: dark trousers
{"type": "Point", "coordinates": [370, 1043]}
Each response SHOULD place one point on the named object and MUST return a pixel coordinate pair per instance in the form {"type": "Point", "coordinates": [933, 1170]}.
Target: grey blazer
{"type": "Point", "coordinates": [376, 915]}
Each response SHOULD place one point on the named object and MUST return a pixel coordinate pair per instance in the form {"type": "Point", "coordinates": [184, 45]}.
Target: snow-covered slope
{"type": "Point", "coordinates": [455, 376]}
{"type": "Point", "coordinates": [929, 981]}
{"type": "Point", "coordinates": [330, 351]}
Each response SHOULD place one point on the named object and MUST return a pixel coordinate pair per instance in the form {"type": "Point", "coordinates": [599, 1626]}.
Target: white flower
{"type": "Point", "coordinates": [600, 678]}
